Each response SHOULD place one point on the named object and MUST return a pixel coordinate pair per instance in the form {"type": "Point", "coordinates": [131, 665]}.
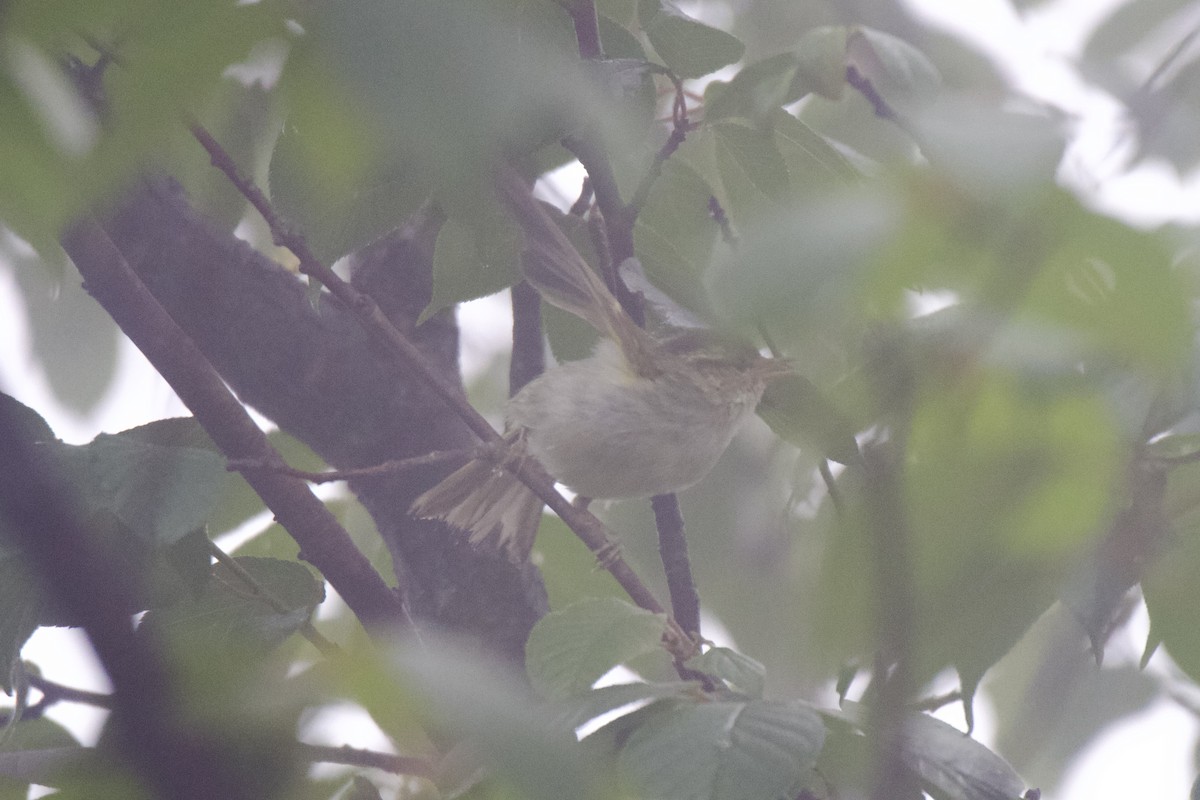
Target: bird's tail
{"type": "Point", "coordinates": [487, 502]}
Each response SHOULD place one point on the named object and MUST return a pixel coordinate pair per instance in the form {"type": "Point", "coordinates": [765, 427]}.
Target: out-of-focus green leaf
{"type": "Point", "coordinates": [72, 338]}
{"type": "Point", "coordinates": [754, 750]}
{"type": "Point", "coordinates": [443, 83]}
{"type": "Point", "coordinates": [453, 692]}
{"type": "Point", "coordinates": [1008, 483]}
{"type": "Point", "coordinates": [954, 766]}
{"type": "Point", "coordinates": [168, 59]}
{"type": "Point", "coordinates": [742, 673]}
{"type": "Point", "coordinates": [675, 234]}
{"type": "Point", "coordinates": [1173, 597]}
{"type": "Point", "coordinates": [902, 75]}
{"type": "Point", "coordinates": [689, 47]}
{"type": "Point", "coordinates": [159, 493]}
{"type": "Point", "coordinates": [813, 163]}
{"type": "Point", "coordinates": [340, 215]}
{"type": "Point", "coordinates": [1113, 285]}
{"type": "Point", "coordinates": [569, 567]}
{"type": "Point", "coordinates": [800, 413]}
{"type": "Point", "coordinates": [229, 614]}
{"type": "Point", "coordinates": [798, 274]}
{"type": "Point", "coordinates": [474, 257]}
{"type": "Point", "coordinates": [571, 649]}
{"type": "Point", "coordinates": [821, 61]}
{"type": "Point", "coordinates": [989, 152]}
{"type": "Point", "coordinates": [755, 92]}
{"type": "Point", "coordinates": [753, 172]}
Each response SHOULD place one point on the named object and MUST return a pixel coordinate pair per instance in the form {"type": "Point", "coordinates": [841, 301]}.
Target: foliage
{"type": "Point", "coordinates": [990, 432]}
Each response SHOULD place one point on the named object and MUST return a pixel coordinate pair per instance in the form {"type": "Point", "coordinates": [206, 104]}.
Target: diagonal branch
{"type": "Point", "coordinates": [585, 525]}
{"type": "Point", "coordinates": [325, 544]}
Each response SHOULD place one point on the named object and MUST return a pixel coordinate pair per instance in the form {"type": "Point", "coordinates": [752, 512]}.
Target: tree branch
{"type": "Point", "coordinates": [109, 278]}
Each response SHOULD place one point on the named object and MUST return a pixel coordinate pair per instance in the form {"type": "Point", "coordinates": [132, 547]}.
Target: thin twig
{"type": "Point", "coordinates": [307, 630]}
{"type": "Point", "coordinates": [56, 692]}
{"type": "Point", "coordinates": [383, 468]}
{"type": "Point", "coordinates": [680, 127]}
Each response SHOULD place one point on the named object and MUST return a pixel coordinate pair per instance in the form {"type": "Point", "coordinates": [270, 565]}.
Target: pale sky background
{"type": "Point", "coordinates": [1149, 756]}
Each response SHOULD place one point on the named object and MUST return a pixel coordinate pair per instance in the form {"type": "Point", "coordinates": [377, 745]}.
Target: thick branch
{"type": "Point", "coordinates": [322, 540]}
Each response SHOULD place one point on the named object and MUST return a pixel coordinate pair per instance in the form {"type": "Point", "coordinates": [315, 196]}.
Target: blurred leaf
{"type": "Point", "coordinates": [229, 613]}
{"type": "Point", "coordinates": [1119, 31]}
{"type": "Point", "coordinates": [798, 274]}
{"type": "Point", "coordinates": [73, 339]}
{"type": "Point", "coordinates": [821, 61]}
{"type": "Point", "coordinates": [1113, 285]}
{"type": "Point", "coordinates": [741, 672]}
{"type": "Point", "coordinates": [569, 650]}
{"type": "Point", "coordinates": [755, 92]}
{"type": "Point", "coordinates": [723, 750]}
{"type": "Point", "coordinates": [341, 215]}
{"type": "Point", "coordinates": [442, 85]}
{"type": "Point", "coordinates": [954, 766]}
{"type": "Point", "coordinates": [674, 234]}
{"type": "Point", "coordinates": [1007, 483]}
{"type": "Point", "coordinates": [160, 493]}
{"type": "Point", "coordinates": [991, 153]}
{"type": "Point", "coordinates": [458, 694]}
{"type": "Point", "coordinates": [477, 253]}
{"type": "Point", "coordinates": [1173, 598]}
{"type": "Point", "coordinates": [903, 76]}
{"type": "Point", "coordinates": [688, 47]}
{"type": "Point", "coordinates": [813, 163]}
{"type": "Point", "coordinates": [752, 169]}
{"type": "Point", "coordinates": [568, 567]}
{"type": "Point", "coordinates": [169, 58]}
{"type": "Point", "coordinates": [800, 413]}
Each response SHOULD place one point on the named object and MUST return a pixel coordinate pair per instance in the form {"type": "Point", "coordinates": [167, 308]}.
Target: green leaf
{"type": "Point", "coordinates": [160, 493]}
{"type": "Point", "coordinates": [813, 163]}
{"type": "Point", "coordinates": [756, 92]}
{"type": "Point", "coordinates": [171, 56]}
{"type": "Point", "coordinates": [570, 650]}
{"type": "Point", "coordinates": [473, 258]}
{"type": "Point", "coordinates": [798, 412]}
{"type": "Point", "coordinates": [752, 169]}
{"type": "Point", "coordinates": [799, 274]}
{"type": "Point", "coordinates": [956, 766]}
{"type": "Point", "coordinates": [1173, 600]}
{"type": "Point", "coordinates": [73, 339]}
{"type": "Point", "coordinates": [688, 47]}
{"type": "Point", "coordinates": [674, 234]}
{"type": "Point", "coordinates": [821, 62]}
{"type": "Point", "coordinates": [1114, 286]}
{"type": "Point", "coordinates": [755, 750]}
{"type": "Point", "coordinates": [742, 673]}
{"type": "Point", "coordinates": [899, 72]}
{"type": "Point", "coordinates": [229, 613]}
{"type": "Point", "coordinates": [455, 693]}
{"type": "Point", "coordinates": [443, 86]}
{"type": "Point", "coordinates": [340, 215]}
{"type": "Point", "coordinates": [569, 567]}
